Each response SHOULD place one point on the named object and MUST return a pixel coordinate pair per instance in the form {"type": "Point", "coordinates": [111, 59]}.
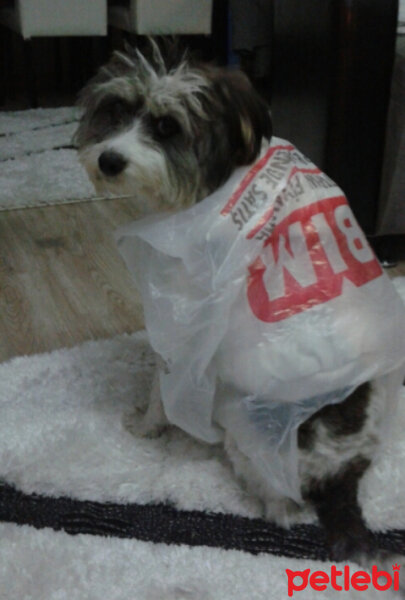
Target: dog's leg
{"type": "Point", "coordinates": [335, 501]}
{"type": "Point", "coordinates": [336, 446]}
{"type": "Point", "coordinates": [281, 510]}
{"type": "Point", "coordinates": [338, 510]}
{"type": "Point", "coordinates": [153, 422]}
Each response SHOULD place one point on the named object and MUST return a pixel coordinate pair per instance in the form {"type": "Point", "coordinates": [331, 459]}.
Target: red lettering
{"type": "Point", "coordinates": [333, 574]}
{"type": "Point", "coordinates": [306, 260]}
{"type": "Point", "coordinates": [376, 574]}
{"type": "Point", "coordinates": [396, 569]}
{"type": "Point", "coordinates": [360, 580]}
{"type": "Point", "coordinates": [291, 575]}
{"type": "Point", "coordinates": [319, 581]}
{"type": "Point", "coordinates": [250, 175]}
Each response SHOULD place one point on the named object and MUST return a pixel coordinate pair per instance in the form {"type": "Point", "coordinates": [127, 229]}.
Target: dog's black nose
{"type": "Point", "coordinates": [111, 163]}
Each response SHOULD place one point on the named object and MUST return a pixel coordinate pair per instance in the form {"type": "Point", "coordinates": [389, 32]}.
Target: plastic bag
{"type": "Point", "coordinates": [266, 303]}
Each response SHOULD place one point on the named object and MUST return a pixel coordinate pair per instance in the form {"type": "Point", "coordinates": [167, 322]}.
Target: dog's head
{"type": "Point", "coordinates": [167, 134]}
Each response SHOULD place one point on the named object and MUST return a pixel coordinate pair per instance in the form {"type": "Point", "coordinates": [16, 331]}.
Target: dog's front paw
{"type": "Point", "coordinates": [140, 426]}
{"type": "Point", "coordinates": [283, 511]}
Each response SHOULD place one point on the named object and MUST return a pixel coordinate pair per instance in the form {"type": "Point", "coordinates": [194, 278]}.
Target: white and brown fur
{"type": "Point", "coordinates": [169, 133]}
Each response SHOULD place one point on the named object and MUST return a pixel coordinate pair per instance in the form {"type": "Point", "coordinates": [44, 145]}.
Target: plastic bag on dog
{"type": "Point", "coordinates": [266, 303]}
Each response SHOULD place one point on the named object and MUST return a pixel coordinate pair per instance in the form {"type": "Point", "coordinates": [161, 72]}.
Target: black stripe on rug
{"type": "Point", "coordinates": [162, 523]}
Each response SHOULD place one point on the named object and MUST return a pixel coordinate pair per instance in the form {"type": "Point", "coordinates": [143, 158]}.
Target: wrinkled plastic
{"type": "Point", "coordinates": [266, 303]}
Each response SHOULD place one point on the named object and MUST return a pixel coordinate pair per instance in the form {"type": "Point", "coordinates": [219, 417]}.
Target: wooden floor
{"type": "Point", "coordinates": [62, 280]}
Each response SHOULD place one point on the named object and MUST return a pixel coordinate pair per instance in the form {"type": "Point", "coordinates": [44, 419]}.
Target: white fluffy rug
{"type": "Point", "coordinates": [38, 165]}
{"type": "Point", "coordinates": [62, 434]}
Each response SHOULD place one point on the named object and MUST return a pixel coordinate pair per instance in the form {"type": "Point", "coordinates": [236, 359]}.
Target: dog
{"type": "Point", "coordinates": [169, 132]}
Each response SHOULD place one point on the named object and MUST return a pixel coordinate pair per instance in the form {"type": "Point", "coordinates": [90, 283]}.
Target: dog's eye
{"type": "Point", "coordinates": [166, 127]}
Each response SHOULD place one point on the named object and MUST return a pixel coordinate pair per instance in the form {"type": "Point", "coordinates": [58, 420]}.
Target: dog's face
{"type": "Point", "coordinates": [167, 134]}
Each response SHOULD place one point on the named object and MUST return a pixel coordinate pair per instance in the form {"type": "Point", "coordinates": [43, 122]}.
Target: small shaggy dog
{"type": "Point", "coordinates": [170, 133]}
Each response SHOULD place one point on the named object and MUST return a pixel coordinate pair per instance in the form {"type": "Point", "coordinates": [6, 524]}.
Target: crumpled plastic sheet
{"type": "Point", "coordinates": [266, 303]}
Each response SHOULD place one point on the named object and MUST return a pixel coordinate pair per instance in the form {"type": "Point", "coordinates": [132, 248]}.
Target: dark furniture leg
{"type": "Point", "coordinates": [29, 74]}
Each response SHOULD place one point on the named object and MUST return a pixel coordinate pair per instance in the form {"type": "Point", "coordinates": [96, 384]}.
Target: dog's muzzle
{"type": "Point", "coordinates": [111, 163]}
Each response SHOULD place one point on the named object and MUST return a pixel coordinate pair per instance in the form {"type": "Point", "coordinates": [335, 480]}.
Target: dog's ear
{"type": "Point", "coordinates": [244, 112]}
